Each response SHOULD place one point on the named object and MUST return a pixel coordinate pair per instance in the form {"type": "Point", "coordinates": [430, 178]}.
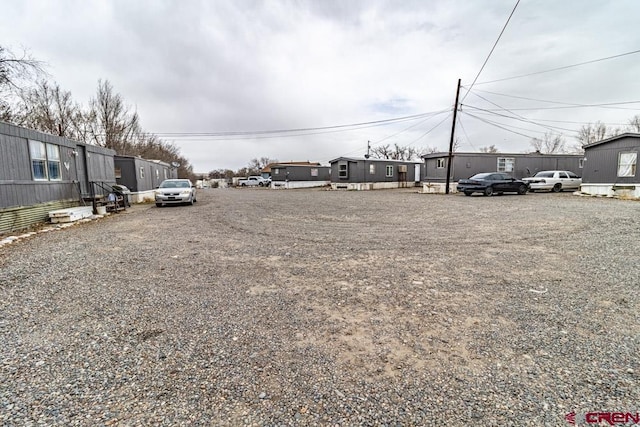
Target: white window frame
{"type": "Point", "coordinates": [141, 172]}
{"type": "Point", "coordinates": [627, 164]}
{"type": "Point", "coordinates": [314, 171]}
{"type": "Point", "coordinates": [276, 171]}
{"type": "Point", "coordinates": [47, 156]}
{"type": "Point", "coordinates": [389, 171]}
{"type": "Point", "coordinates": [440, 163]}
{"type": "Point", "coordinates": [508, 164]}
{"type": "Point", "coordinates": [343, 170]}
{"type": "Point", "coordinates": [581, 163]}
{"type": "Point", "coordinates": [372, 168]}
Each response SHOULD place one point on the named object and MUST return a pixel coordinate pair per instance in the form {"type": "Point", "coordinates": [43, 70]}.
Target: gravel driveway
{"type": "Point", "coordinates": [309, 307]}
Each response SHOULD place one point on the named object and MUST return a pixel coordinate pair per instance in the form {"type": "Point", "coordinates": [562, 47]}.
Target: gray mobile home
{"type": "Point", "coordinates": [40, 173]}
{"type": "Point", "coordinates": [518, 165]}
{"type": "Point", "coordinates": [141, 176]}
{"type": "Point", "coordinates": [354, 173]}
{"type": "Point", "coordinates": [287, 175]}
{"type": "Point", "coordinates": [611, 166]}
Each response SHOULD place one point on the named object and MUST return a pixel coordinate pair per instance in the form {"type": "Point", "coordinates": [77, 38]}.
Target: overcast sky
{"type": "Point", "coordinates": [217, 66]}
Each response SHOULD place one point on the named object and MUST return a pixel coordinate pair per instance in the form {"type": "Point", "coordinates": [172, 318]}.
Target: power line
{"type": "Point", "coordinates": [280, 131]}
{"type": "Point", "coordinates": [518, 116]}
{"type": "Point", "coordinates": [465, 133]}
{"type": "Point", "coordinates": [492, 49]}
{"type": "Point", "coordinates": [573, 104]}
{"type": "Point", "coordinates": [489, 122]}
{"type": "Point", "coordinates": [560, 68]}
{"type": "Point", "coordinates": [609, 104]}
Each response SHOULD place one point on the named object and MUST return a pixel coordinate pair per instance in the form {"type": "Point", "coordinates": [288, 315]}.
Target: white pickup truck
{"type": "Point", "coordinates": [253, 181]}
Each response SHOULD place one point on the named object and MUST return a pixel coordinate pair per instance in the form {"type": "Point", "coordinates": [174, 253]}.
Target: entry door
{"type": "Point", "coordinates": [416, 177]}
{"type": "Point", "coordinates": [81, 169]}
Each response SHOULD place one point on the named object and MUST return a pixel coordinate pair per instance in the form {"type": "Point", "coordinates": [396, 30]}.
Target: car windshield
{"type": "Point", "coordinates": [175, 184]}
{"type": "Point", "coordinates": [480, 176]}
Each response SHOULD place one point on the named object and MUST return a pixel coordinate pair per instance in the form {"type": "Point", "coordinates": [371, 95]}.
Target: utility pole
{"type": "Point", "coordinates": [453, 130]}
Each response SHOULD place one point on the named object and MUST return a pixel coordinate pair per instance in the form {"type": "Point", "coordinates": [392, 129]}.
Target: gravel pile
{"type": "Point", "coordinates": [309, 307]}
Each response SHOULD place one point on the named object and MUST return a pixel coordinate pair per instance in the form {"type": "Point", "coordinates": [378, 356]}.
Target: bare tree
{"type": "Point", "coordinates": [634, 124]}
{"type": "Point", "coordinates": [591, 133]}
{"type": "Point", "coordinates": [258, 164]}
{"type": "Point", "coordinates": [17, 70]}
{"type": "Point", "coordinates": [113, 126]}
{"type": "Point", "coordinates": [549, 144]}
{"type": "Point", "coordinates": [396, 152]}
{"type": "Point", "coordinates": [489, 149]}
{"type": "Point", "coordinates": [48, 108]}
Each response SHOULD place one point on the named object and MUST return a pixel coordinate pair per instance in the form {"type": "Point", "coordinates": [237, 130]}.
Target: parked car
{"type": "Point", "coordinates": [175, 191]}
{"type": "Point", "coordinates": [253, 181]}
{"type": "Point", "coordinates": [555, 181]}
{"type": "Point", "coordinates": [491, 183]}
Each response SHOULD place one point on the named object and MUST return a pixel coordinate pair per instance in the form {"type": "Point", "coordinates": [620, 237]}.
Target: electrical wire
{"type": "Point", "coordinates": [296, 130]}
{"type": "Point", "coordinates": [560, 68]}
{"type": "Point", "coordinates": [492, 49]}
{"type": "Point", "coordinates": [465, 132]}
{"type": "Point", "coordinates": [519, 117]}
{"type": "Point", "coordinates": [572, 104]}
{"type": "Point", "coordinates": [489, 122]}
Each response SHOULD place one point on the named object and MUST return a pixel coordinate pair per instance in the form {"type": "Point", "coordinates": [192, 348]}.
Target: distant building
{"type": "Point", "coordinates": [267, 170]}
{"type": "Point", "coordinates": [290, 175]}
{"type": "Point", "coordinates": [611, 167]}
{"type": "Point", "coordinates": [518, 165]}
{"type": "Point", "coordinates": [141, 176]}
{"type": "Point", "coordinates": [353, 173]}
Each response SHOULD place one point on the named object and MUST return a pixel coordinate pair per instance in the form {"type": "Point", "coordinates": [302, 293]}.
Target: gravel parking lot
{"type": "Point", "coordinates": [310, 307]}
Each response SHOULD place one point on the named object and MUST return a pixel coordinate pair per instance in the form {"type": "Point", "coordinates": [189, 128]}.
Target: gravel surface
{"type": "Point", "coordinates": [310, 307]}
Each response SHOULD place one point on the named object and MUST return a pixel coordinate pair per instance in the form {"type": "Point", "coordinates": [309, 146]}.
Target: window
{"type": "Point", "coordinates": [53, 162]}
{"type": "Point", "coordinates": [141, 171]}
{"type": "Point", "coordinates": [157, 174]}
{"type": "Point", "coordinates": [581, 163]}
{"type": "Point", "coordinates": [505, 164]}
{"type": "Point", "coordinates": [343, 170]}
{"type": "Point", "coordinates": [314, 172]}
{"type": "Point", "coordinates": [372, 169]}
{"type": "Point", "coordinates": [118, 172]}
{"type": "Point", "coordinates": [627, 164]}
{"type": "Point", "coordinates": [389, 171]}
{"type": "Point", "coordinates": [276, 171]}
{"type": "Point", "coordinates": [440, 163]}
{"type": "Point", "coordinates": [166, 173]}
{"type": "Point", "coordinates": [45, 161]}
{"type": "Point", "coordinates": [572, 175]}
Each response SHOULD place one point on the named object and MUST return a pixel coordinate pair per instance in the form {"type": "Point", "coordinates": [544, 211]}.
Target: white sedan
{"type": "Point", "coordinates": [555, 181]}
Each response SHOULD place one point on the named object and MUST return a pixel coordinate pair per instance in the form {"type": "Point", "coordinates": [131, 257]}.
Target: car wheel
{"type": "Point", "coordinates": [522, 189]}
{"type": "Point", "coordinates": [159, 205]}
{"type": "Point", "coordinates": [468, 193]}
{"type": "Point", "coordinates": [191, 201]}
{"type": "Point", "coordinates": [557, 188]}
{"type": "Point", "coordinates": [488, 191]}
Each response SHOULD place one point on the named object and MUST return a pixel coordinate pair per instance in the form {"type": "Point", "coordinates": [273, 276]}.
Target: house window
{"type": "Point", "coordinates": [343, 170]}
{"type": "Point", "coordinates": [372, 169]}
{"type": "Point", "coordinates": [45, 161]}
{"type": "Point", "coordinates": [627, 164]}
{"type": "Point", "coordinates": [389, 171]}
{"type": "Point", "coordinates": [314, 172]}
{"type": "Point", "coordinates": [157, 174]}
{"type": "Point", "coordinates": [581, 163]}
{"type": "Point", "coordinates": [118, 172]}
{"type": "Point", "coordinates": [505, 164]}
{"type": "Point", "coordinates": [276, 171]}
{"type": "Point", "coordinates": [440, 163]}
{"type": "Point", "coordinates": [166, 174]}
{"type": "Point", "coordinates": [141, 171]}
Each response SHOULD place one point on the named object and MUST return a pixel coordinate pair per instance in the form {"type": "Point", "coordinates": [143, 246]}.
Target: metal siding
{"type": "Point", "coordinates": [16, 219]}
{"type": "Point", "coordinates": [601, 165]}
